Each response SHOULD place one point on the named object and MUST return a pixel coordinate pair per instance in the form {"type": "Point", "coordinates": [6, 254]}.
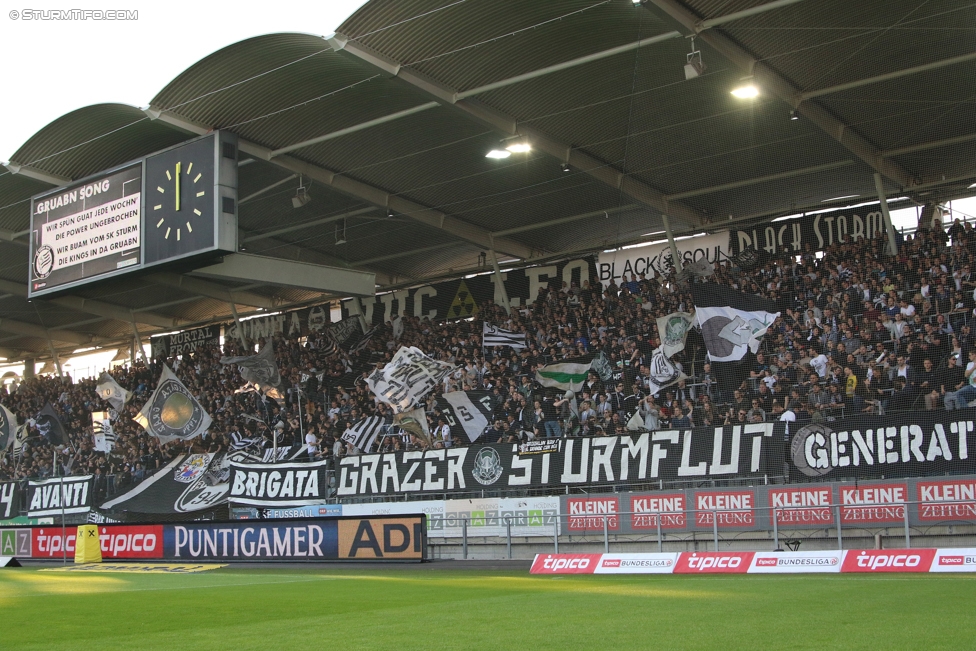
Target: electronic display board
{"type": "Point", "coordinates": [171, 205]}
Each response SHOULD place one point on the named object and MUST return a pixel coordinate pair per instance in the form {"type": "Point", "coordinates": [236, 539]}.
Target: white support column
{"type": "Point", "coordinates": [499, 283]}
{"type": "Point", "coordinates": [889, 228]}
{"type": "Point", "coordinates": [138, 344]}
{"type": "Point", "coordinates": [675, 257]}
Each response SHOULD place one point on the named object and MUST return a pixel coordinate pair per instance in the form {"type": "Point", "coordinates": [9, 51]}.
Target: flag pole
{"type": "Point", "coordinates": [64, 539]}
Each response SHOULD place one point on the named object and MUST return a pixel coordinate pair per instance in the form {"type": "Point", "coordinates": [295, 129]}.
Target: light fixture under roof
{"type": "Point", "coordinates": [498, 153]}
{"type": "Point", "coordinates": [746, 91]}
{"type": "Point", "coordinates": [971, 186]}
{"type": "Point", "coordinates": [846, 196]}
{"type": "Point", "coordinates": [302, 197]}
{"type": "Point", "coordinates": [793, 115]}
{"type": "Point", "coordinates": [519, 147]}
{"type": "Point", "coordinates": [694, 66]}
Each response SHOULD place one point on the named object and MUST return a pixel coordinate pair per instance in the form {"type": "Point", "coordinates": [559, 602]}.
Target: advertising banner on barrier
{"type": "Point", "coordinates": [67, 495]}
{"type": "Point", "coordinates": [954, 560]}
{"type": "Point", "coordinates": [888, 560]}
{"type": "Point", "coordinates": [364, 538]}
{"type": "Point", "coordinates": [16, 542]}
{"type": "Point", "coordinates": [950, 499]}
{"type": "Point", "coordinates": [922, 443]}
{"type": "Point", "coordinates": [796, 562]}
{"type": "Point", "coordinates": [805, 505]}
{"type": "Point", "coordinates": [714, 562]}
{"type": "Point", "coordinates": [753, 450]}
{"type": "Point", "coordinates": [636, 563]}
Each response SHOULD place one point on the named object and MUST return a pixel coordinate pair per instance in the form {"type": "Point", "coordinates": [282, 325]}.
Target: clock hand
{"type": "Point", "coordinates": [178, 165]}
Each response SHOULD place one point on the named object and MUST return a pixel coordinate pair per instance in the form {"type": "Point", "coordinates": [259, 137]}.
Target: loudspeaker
{"type": "Point", "coordinates": [9, 561]}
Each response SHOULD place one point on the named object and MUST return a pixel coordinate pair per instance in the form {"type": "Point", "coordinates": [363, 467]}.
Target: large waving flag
{"type": "Point", "coordinates": [467, 412]}
{"type": "Point", "coordinates": [8, 428]}
{"type": "Point", "coordinates": [733, 325]}
{"type": "Point", "coordinates": [172, 413]}
{"type": "Point", "coordinates": [50, 426]}
{"type": "Point", "coordinates": [261, 370]}
{"type": "Point", "coordinates": [564, 375]}
{"type": "Point", "coordinates": [410, 375]}
{"type": "Point", "coordinates": [672, 330]}
{"type": "Point", "coordinates": [110, 391]}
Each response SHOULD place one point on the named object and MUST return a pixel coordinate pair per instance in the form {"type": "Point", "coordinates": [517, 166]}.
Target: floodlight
{"type": "Point", "coordinates": [749, 91]}
{"type": "Point", "coordinates": [519, 147]}
{"type": "Point", "coordinates": [498, 153]}
{"type": "Point", "coordinates": [694, 67]}
{"type": "Point", "coordinates": [302, 197]}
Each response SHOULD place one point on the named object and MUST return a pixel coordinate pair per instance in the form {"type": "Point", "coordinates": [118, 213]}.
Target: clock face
{"type": "Point", "coordinates": [180, 202]}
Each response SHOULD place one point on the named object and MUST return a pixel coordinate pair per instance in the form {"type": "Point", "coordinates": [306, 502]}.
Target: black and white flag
{"type": "Point", "coordinates": [110, 391]}
{"type": "Point", "coordinates": [49, 426]}
{"type": "Point", "coordinates": [663, 372]}
{"type": "Point", "coordinates": [103, 432]}
{"type": "Point", "coordinates": [732, 323]}
{"type": "Point", "coordinates": [495, 336]}
{"type": "Point", "coordinates": [409, 376]}
{"type": "Point", "coordinates": [362, 342]}
{"type": "Point", "coordinates": [172, 413]}
{"type": "Point", "coordinates": [260, 370]}
{"type": "Point", "coordinates": [467, 412]}
{"type": "Point", "coordinates": [8, 428]}
{"type": "Point", "coordinates": [363, 433]}
{"type": "Point", "coordinates": [397, 323]}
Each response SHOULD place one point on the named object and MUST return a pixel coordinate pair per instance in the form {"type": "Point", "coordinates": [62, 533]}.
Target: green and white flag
{"type": "Point", "coordinates": [172, 413]}
{"type": "Point", "coordinates": [566, 376]}
{"type": "Point", "coordinates": [672, 330]}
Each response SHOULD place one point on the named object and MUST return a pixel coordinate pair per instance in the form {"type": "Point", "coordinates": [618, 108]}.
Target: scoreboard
{"type": "Point", "coordinates": [175, 204]}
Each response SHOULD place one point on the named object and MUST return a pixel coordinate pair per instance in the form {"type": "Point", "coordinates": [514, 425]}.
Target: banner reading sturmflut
{"type": "Point", "coordinates": [704, 453]}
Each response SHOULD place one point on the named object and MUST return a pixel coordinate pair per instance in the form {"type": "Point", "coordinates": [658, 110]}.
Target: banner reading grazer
{"type": "Point", "coordinates": [908, 445]}
{"type": "Point", "coordinates": [752, 450]}
{"type": "Point", "coordinates": [819, 231]}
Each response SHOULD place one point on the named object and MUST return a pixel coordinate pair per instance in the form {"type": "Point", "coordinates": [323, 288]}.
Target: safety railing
{"type": "Point", "coordinates": [821, 527]}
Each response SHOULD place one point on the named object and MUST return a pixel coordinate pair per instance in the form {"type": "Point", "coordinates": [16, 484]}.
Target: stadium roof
{"type": "Point", "coordinates": [388, 122]}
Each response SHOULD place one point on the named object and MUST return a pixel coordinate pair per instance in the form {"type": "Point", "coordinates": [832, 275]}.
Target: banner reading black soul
{"type": "Point", "coordinates": [819, 231]}
{"type": "Point", "coordinates": [456, 299]}
{"type": "Point", "coordinates": [752, 450]}
{"type": "Point", "coordinates": [910, 445]}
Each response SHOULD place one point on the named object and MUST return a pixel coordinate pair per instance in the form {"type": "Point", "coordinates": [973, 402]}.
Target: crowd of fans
{"type": "Point", "coordinates": [860, 332]}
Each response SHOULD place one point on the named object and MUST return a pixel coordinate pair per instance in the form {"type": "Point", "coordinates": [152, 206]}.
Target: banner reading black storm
{"type": "Point", "coordinates": [920, 444]}
{"type": "Point", "coordinates": [819, 231]}
{"type": "Point", "coordinates": [461, 298]}
{"type": "Point", "coordinates": [752, 450]}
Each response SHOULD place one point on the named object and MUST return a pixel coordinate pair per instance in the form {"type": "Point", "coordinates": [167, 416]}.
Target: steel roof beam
{"type": "Point", "coordinates": [935, 144]}
{"type": "Point", "coordinates": [315, 222]}
{"type": "Point", "coordinates": [761, 179]}
{"type": "Point", "coordinates": [377, 196]}
{"type": "Point", "coordinates": [212, 290]}
{"type": "Point", "coordinates": [354, 128]}
{"type": "Point", "coordinates": [36, 174]}
{"type": "Point", "coordinates": [935, 65]}
{"type": "Point", "coordinates": [319, 278]}
{"type": "Point", "coordinates": [770, 80]}
{"type": "Point", "coordinates": [508, 125]}
{"type": "Point", "coordinates": [33, 330]}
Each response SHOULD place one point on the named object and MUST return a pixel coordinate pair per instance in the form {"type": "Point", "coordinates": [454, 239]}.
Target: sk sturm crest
{"type": "Point", "coordinates": [487, 466]}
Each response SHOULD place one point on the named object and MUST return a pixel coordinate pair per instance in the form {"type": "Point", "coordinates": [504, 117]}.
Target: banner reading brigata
{"type": "Point", "coordinates": [908, 445]}
{"type": "Point", "coordinates": [84, 230]}
{"type": "Point", "coordinates": [753, 450]}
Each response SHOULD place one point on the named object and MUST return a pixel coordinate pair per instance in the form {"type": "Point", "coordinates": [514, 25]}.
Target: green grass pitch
{"type": "Point", "coordinates": [414, 608]}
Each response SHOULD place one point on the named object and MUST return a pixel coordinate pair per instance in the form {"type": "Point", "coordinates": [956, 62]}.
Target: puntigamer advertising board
{"type": "Point", "coordinates": [177, 203]}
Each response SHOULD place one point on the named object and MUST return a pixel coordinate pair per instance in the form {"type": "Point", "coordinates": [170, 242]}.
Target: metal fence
{"type": "Point", "coordinates": [771, 529]}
